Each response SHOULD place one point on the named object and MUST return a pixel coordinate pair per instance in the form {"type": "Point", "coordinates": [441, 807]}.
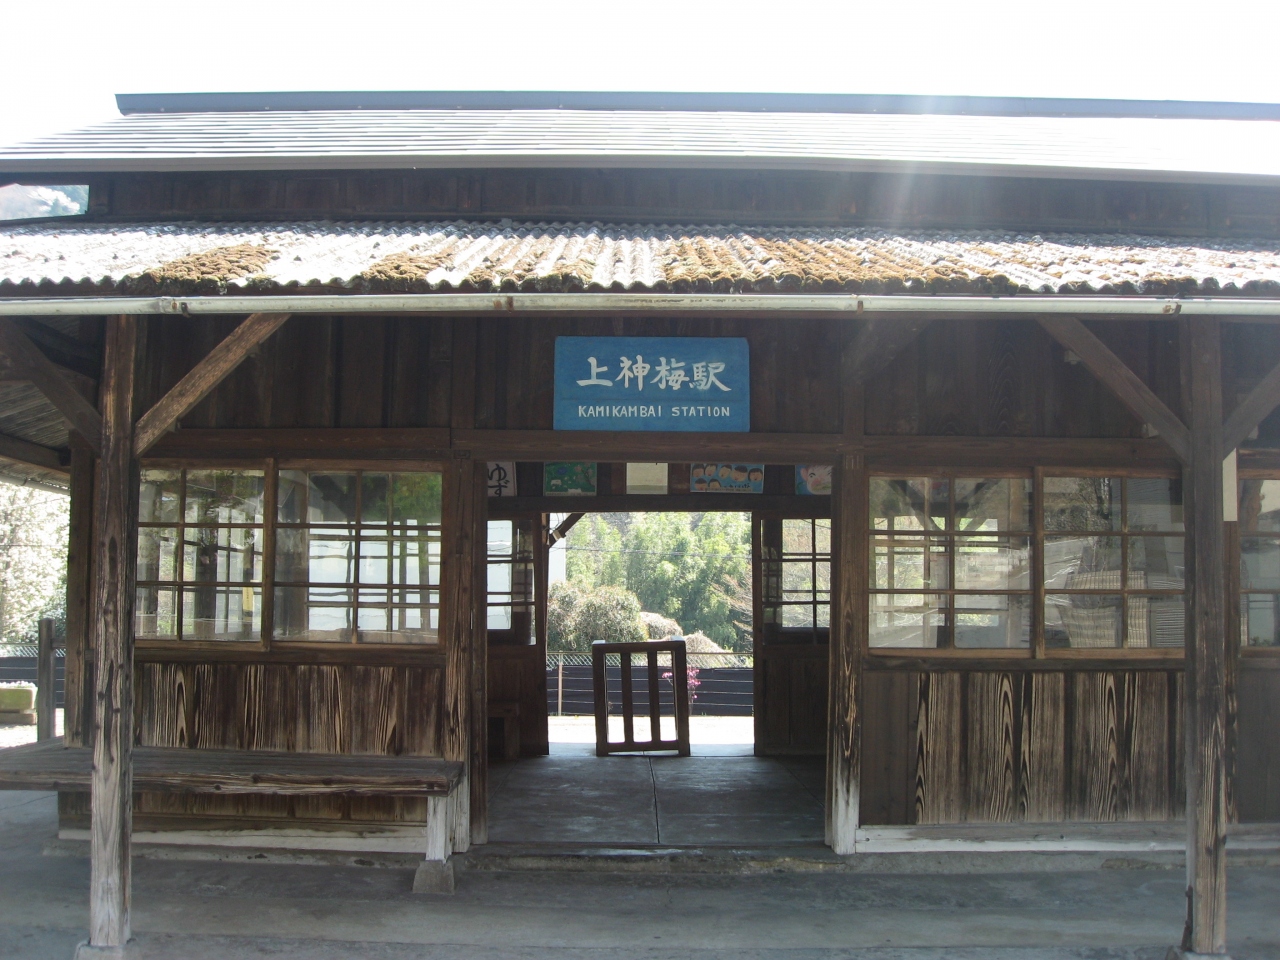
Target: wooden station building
{"type": "Point", "coordinates": [1036, 341]}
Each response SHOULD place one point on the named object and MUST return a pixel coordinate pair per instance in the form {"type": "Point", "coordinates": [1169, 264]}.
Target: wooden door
{"type": "Point", "coordinates": [791, 565]}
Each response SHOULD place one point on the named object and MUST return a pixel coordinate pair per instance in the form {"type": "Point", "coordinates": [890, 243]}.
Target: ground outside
{"type": "Point", "coordinates": [718, 855]}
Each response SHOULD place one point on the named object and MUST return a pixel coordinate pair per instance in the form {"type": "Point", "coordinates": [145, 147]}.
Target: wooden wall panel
{"type": "Point", "coordinates": [792, 712]}
{"type": "Point", "coordinates": [990, 758]}
{"type": "Point", "coordinates": [1038, 747]}
{"type": "Point", "coordinates": [519, 674]}
{"type": "Point", "coordinates": [1258, 750]}
{"type": "Point", "coordinates": [889, 702]}
{"type": "Point", "coordinates": [939, 787]}
{"type": "Point", "coordinates": [1042, 749]}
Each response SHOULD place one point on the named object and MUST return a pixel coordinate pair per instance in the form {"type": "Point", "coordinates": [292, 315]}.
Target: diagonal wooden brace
{"type": "Point", "coordinates": [1120, 380]}
{"type": "Point", "coordinates": [31, 364]}
{"type": "Point", "coordinates": [201, 380]}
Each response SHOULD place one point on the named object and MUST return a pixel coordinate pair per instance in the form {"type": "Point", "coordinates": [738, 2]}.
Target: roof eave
{"type": "Point", "coordinates": [14, 167]}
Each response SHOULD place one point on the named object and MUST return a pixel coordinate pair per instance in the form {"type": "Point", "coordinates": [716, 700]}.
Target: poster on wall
{"type": "Point", "coordinates": [572, 478]}
{"type": "Point", "coordinates": [653, 383]}
{"type": "Point", "coordinates": [501, 478]}
{"type": "Point", "coordinates": [726, 478]}
{"type": "Point", "coordinates": [813, 480]}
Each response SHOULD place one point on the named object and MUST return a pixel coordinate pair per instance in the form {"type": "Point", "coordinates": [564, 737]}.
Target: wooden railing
{"type": "Point", "coordinates": [677, 674]}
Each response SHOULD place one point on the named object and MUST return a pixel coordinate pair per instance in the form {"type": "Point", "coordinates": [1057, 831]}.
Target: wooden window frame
{"type": "Point", "coordinates": [1236, 592]}
{"type": "Point", "coordinates": [508, 636]}
{"type": "Point", "coordinates": [1035, 652]}
{"type": "Point", "coordinates": [266, 643]}
{"type": "Point", "coordinates": [816, 635]}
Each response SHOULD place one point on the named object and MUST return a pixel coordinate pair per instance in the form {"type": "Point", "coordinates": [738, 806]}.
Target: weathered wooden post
{"type": "Point", "coordinates": [111, 631]}
{"type": "Point", "coordinates": [46, 673]}
{"type": "Point", "coordinates": [844, 739]}
{"type": "Point", "coordinates": [1206, 714]}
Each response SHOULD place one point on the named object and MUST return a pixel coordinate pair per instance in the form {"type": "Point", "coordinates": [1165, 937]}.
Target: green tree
{"type": "Point", "coordinates": [609, 615]}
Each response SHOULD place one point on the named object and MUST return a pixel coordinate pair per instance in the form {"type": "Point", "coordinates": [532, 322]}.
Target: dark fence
{"type": "Point", "coordinates": [714, 691]}
{"type": "Point", "coordinates": [24, 668]}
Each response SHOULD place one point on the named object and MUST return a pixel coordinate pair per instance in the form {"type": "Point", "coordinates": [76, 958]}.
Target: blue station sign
{"type": "Point", "coordinates": [653, 383]}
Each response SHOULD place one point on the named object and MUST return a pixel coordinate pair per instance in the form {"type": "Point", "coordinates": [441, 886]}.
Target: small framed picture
{"type": "Point", "coordinates": [501, 478]}
{"type": "Point", "coordinates": [726, 478]}
{"type": "Point", "coordinates": [571, 478]}
{"type": "Point", "coordinates": [813, 480]}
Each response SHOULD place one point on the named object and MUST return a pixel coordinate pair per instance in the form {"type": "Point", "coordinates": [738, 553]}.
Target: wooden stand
{"type": "Point", "coordinates": [679, 680]}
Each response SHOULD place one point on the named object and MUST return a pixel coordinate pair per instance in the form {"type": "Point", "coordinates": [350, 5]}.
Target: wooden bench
{"type": "Point", "coordinates": [50, 765]}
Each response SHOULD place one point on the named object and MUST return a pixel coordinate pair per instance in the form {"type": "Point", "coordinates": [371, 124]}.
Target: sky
{"type": "Point", "coordinates": [62, 62]}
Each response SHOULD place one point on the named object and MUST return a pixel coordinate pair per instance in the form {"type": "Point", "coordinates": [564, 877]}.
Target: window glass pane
{"type": "Point", "coordinates": [222, 555]}
{"type": "Point", "coordinates": [907, 620]}
{"type": "Point", "coordinates": [1081, 503]}
{"type": "Point", "coordinates": [221, 613]}
{"type": "Point", "coordinates": [375, 496]}
{"type": "Point", "coordinates": [1155, 503]}
{"type": "Point", "coordinates": [499, 617]}
{"type": "Point", "coordinates": [1259, 563]}
{"type": "Point", "coordinates": [1261, 615]}
{"type": "Point", "coordinates": [1082, 620]}
{"type": "Point", "coordinates": [158, 496]}
{"type": "Point", "coordinates": [316, 555]}
{"type": "Point", "coordinates": [313, 613]}
{"type": "Point", "coordinates": [416, 498]}
{"type": "Point", "coordinates": [224, 496]}
{"type": "Point", "coordinates": [501, 534]}
{"type": "Point", "coordinates": [993, 621]}
{"type": "Point", "coordinates": [331, 498]}
{"type": "Point", "coordinates": [157, 550]}
{"type": "Point", "coordinates": [822, 537]}
{"type": "Point", "coordinates": [1157, 563]}
{"type": "Point", "coordinates": [993, 563]}
{"type": "Point", "coordinates": [415, 560]}
{"type": "Point", "coordinates": [898, 504]}
{"type": "Point", "coordinates": [374, 560]}
{"type": "Point", "coordinates": [994, 506]}
{"type": "Point", "coordinates": [291, 496]}
{"type": "Point", "coordinates": [155, 614]}
{"type": "Point", "coordinates": [1156, 622]}
{"type": "Point", "coordinates": [910, 563]}
{"type": "Point", "coordinates": [797, 615]}
{"type": "Point", "coordinates": [1082, 563]}
{"type": "Point", "coordinates": [1260, 505]}
{"type": "Point", "coordinates": [797, 536]}
{"type": "Point", "coordinates": [500, 578]}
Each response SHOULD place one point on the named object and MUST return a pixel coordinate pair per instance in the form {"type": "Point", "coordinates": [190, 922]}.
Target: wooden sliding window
{"type": "Point", "coordinates": [1114, 562]}
{"type": "Point", "coordinates": [347, 555]}
{"type": "Point", "coordinates": [795, 577]}
{"type": "Point", "coordinates": [510, 579]}
{"type": "Point", "coordinates": [950, 562]}
{"type": "Point", "coordinates": [200, 554]}
{"type": "Point", "coordinates": [1260, 562]}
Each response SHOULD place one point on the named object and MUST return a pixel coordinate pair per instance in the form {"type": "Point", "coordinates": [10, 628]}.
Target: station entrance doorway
{"type": "Point", "coordinates": [748, 590]}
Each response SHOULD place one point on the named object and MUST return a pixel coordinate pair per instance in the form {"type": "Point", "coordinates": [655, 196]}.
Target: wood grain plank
{"type": "Point", "coordinates": [939, 786]}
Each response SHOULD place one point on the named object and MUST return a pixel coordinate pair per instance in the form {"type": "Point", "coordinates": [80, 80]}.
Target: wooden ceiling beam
{"type": "Point", "coordinates": [1252, 410]}
{"type": "Point", "coordinates": [1128, 387]}
{"type": "Point", "coordinates": [32, 454]}
{"type": "Point", "coordinates": [201, 380]}
{"type": "Point", "coordinates": [35, 367]}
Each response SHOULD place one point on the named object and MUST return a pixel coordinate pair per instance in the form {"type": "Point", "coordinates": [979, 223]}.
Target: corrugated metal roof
{"type": "Point", "coordinates": [1096, 147]}
{"type": "Point", "coordinates": [381, 257]}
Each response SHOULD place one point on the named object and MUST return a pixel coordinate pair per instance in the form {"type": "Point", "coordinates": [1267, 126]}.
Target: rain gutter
{"type": "Point", "coordinates": [454, 304]}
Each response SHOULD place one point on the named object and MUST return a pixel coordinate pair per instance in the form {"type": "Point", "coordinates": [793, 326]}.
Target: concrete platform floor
{"type": "Point", "coordinates": [674, 801]}
{"type": "Point", "coordinates": [199, 910]}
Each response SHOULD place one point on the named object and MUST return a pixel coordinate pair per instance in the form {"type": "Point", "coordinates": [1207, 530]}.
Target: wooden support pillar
{"type": "Point", "coordinates": [111, 629]}
{"type": "Point", "coordinates": [479, 673]}
{"type": "Point", "coordinates": [458, 634]}
{"type": "Point", "coordinates": [1206, 710]}
{"type": "Point", "coordinates": [848, 631]}
{"type": "Point", "coordinates": [46, 672]}
{"type": "Point", "coordinates": [77, 713]}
